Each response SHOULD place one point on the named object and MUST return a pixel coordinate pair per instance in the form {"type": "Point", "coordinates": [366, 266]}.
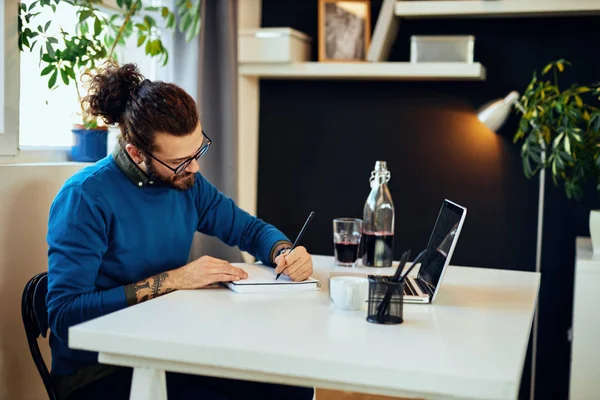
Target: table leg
{"type": "Point", "coordinates": [148, 384]}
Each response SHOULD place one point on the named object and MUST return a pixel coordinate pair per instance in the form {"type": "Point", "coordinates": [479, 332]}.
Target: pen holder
{"type": "Point", "coordinates": [386, 300]}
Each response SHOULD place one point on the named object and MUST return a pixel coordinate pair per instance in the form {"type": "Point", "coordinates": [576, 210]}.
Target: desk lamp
{"type": "Point", "coordinates": [493, 115]}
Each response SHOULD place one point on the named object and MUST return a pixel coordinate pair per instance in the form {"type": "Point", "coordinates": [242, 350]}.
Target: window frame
{"type": "Point", "coordinates": [10, 79]}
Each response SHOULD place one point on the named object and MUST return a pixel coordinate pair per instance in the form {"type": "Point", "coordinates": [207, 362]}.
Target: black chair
{"type": "Point", "coordinates": [35, 321]}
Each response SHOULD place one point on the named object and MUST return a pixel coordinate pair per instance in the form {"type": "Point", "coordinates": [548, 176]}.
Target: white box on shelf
{"type": "Point", "coordinates": [442, 49]}
{"type": "Point", "coordinates": [273, 45]}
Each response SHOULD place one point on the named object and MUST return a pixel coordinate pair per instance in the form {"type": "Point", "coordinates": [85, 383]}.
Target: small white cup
{"type": "Point", "coordinates": [349, 292]}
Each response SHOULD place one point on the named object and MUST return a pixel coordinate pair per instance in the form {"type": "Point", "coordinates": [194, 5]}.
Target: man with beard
{"type": "Point", "coordinates": [120, 232]}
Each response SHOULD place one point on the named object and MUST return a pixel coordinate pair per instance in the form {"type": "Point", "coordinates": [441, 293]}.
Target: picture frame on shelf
{"type": "Point", "coordinates": [344, 30]}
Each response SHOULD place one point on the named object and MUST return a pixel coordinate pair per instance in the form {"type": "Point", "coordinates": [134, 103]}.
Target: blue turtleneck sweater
{"type": "Point", "coordinates": [109, 227]}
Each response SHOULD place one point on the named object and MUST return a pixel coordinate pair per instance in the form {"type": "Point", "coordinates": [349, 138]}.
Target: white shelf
{"type": "Point", "coordinates": [496, 8]}
{"type": "Point", "coordinates": [366, 71]}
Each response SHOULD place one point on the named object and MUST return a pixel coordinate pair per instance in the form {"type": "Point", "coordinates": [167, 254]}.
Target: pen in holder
{"type": "Point", "coordinates": [386, 300]}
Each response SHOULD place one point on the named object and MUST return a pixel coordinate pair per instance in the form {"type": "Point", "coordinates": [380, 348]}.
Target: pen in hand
{"type": "Point", "coordinates": [312, 213]}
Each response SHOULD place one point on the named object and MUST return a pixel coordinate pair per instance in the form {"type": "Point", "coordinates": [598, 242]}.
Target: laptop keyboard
{"type": "Point", "coordinates": [409, 289]}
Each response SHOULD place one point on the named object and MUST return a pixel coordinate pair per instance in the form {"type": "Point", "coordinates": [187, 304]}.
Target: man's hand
{"type": "Point", "coordinates": [204, 272]}
{"type": "Point", "coordinates": [197, 274]}
{"type": "Point", "coordinates": [296, 264]}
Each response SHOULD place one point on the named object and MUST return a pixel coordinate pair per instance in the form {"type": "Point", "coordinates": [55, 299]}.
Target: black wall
{"type": "Point", "coordinates": [319, 141]}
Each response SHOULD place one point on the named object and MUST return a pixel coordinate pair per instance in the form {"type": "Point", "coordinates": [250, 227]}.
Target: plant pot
{"type": "Point", "coordinates": [595, 230]}
{"type": "Point", "coordinates": [89, 145]}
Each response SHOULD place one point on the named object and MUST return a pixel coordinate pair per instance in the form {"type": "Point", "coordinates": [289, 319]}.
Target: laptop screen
{"type": "Point", "coordinates": [445, 233]}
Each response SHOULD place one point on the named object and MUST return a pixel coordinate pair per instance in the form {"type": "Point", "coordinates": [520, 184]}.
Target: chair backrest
{"type": "Point", "coordinates": [35, 322]}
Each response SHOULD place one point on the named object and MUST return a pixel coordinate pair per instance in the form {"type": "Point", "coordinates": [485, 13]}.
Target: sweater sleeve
{"type": "Point", "coordinates": [219, 216]}
{"type": "Point", "coordinates": [77, 240]}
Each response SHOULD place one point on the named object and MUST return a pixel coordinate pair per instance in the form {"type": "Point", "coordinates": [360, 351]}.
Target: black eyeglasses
{"type": "Point", "coordinates": [182, 167]}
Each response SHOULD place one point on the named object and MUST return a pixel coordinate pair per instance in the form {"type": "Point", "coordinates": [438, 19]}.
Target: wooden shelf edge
{"type": "Point", "coordinates": [366, 71]}
{"type": "Point", "coordinates": [496, 8]}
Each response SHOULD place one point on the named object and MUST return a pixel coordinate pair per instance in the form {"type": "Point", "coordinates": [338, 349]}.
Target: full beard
{"type": "Point", "coordinates": [182, 181]}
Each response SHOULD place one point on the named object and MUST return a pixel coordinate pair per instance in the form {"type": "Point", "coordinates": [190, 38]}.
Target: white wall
{"type": "Point", "coordinates": [26, 192]}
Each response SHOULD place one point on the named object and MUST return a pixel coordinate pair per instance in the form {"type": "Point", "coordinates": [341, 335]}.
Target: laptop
{"type": "Point", "coordinates": [423, 288]}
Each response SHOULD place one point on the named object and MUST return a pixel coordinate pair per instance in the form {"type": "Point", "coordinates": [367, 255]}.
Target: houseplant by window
{"type": "Point", "coordinates": [560, 131]}
{"type": "Point", "coordinates": [68, 54]}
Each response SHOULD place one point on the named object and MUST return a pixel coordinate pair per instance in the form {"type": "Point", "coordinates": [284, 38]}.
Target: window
{"type": "Point", "coordinates": [47, 116]}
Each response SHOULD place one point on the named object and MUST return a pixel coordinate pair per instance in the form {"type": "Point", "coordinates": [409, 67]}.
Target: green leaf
{"type": "Point", "coordinates": [583, 89]}
{"type": "Point", "coordinates": [595, 121]}
{"type": "Point", "coordinates": [97, 27]}
{"type": "Point", "coordinates": [155, 47]}
{"type": "Point", "coordinates": [535, 157]}
{"type": "Point", "coordinates": [50, 50]}
{"type": "Point", "coordinates": [527, 167]}
{"type": "Point", "coordinates": [586, 115]}
{"type": "Point", "coordinates": [578, 101]}
{"type": "Point", "coordinates": [566, 157]}
{"type": "Point", "coordinates": [195, 29]}
{"type": "Point", "coordinates": [47, 25]}
{"type": "Point", "coordinates": [64, 76]}
{"type": "Point", "coordinates": [560, 66]}
{"type": "Point", "coordinates": [567, 144]}
{"type": "Point", "coordinates": [71, 73]}
{"type": "Point", "coordinates": [141, 27]}
{"type": "Point", "coordinates": [165, 12]}
{"type": "Point", "coordinates": [85, 14]}
{"type": "Point", "coordinates": [171, 21]}
{"type": "Point", "coordinates": [546, 69]}
{"type": "Point", "coordinates": [84, 28]}
{"type": "Point", "coordinates": [141, 40]}
{"type": "Point", "coordinates": [559, 108]}
{"type": "Point", "coordinates": [52, 80]}
{"type": "Point", "coordinates": [47, 70]}
{"type": "Point", "coordinates": [120, 3]}
{"type": "Point", "coordinates": [557, 140]}
{"type": "Point", "coordinates": [187, 20]}
{"type": "Point", "coordinates": [559, 161]}
{"type": "Point", "coordinates": [149, 21]}
{"type": "Point", "coordinates": [53, 8]}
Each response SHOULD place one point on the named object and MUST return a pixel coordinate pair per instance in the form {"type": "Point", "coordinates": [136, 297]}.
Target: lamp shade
{"type": "Point", "coordinates": [494, 114]}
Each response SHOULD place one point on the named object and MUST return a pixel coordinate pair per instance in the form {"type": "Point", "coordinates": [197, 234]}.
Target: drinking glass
{"type": "Point", "coordinates": [346, 240]}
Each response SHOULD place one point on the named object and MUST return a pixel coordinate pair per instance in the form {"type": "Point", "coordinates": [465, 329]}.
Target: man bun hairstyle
{"type": "Point", "coordinates": [121, 95]}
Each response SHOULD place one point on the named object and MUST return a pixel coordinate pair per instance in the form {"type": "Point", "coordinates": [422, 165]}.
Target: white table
{"type": "Point", "coordinates": [585, 352]}
{"type": "Point", "coordinates": [471, 343]}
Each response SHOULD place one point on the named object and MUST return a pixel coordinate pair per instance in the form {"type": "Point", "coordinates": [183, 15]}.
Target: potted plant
{"type": "Point", "coordinates": [560, 130]}
{"type": "Point", "coordinates": [103, 25]}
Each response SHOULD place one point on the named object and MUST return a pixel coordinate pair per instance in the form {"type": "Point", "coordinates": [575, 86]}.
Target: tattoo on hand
{"type": "Point", "coordinates": [147, 289]}
{"type": "Point", "coordinates": [158, 282]}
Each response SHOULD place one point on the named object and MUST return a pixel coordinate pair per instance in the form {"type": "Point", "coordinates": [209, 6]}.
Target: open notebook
{"type": "Point", "coordinates": [261, 279]}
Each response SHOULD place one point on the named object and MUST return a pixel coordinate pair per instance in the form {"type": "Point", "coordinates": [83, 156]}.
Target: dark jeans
{"type": "Point", "coordinates": [116, 386]}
